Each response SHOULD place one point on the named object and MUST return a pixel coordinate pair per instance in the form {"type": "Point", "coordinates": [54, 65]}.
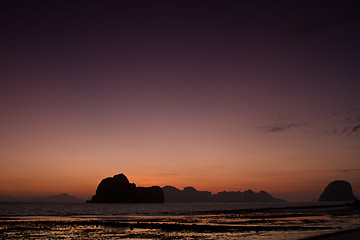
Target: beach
{"type": "Point", "coordinates": [195, 221]}
{"type": "Point", "coordinates": [353, 234]}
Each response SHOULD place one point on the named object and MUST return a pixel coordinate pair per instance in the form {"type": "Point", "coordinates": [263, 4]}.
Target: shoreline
{"type": "Point", "coordinates": [263, 223]}
{"type": "Point", "coordinates": [157, 228]}
{"type": "Point", "coordinates": [178, 209]}
{"type": "Point", "coordinates": [350, 234]}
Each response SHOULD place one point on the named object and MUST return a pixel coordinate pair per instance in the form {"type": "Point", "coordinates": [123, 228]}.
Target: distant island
{"type": "Point", "coordinates": [338, 190]}
{"type": "Point", "coordinates": [190, 194]}
{"type": "Point", "coordinates": [118, 189]}
{"type": "Point", "coordinates": [61, 198]}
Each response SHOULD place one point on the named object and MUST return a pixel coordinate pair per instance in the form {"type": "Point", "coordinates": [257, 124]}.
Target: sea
{"type": "Point", "coordinates": [278, 220]}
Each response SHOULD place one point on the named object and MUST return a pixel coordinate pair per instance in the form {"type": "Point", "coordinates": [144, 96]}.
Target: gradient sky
{"type": "Point", "coordinates": [218, 95]}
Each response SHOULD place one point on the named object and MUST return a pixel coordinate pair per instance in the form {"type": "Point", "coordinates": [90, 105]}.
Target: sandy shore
{"type": "Point", "coordinates": [189, 227]}
{"type": "Point", "coordinates": [353, 234]}
{"type": "Point", "coordinates": [262, 224]}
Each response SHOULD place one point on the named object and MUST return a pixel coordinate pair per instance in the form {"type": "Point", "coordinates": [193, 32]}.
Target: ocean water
{"type": "Point", "coordinates": [173, 221]}
{"type": "Point", "coordinates": [97, 209]}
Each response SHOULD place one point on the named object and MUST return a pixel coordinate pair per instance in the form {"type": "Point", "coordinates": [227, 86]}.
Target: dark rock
{"type": "Point", "coordinates": [338, 191]}
{"type": "Point", "coordinates": [118, 189]}
{"type": "Point", "coordinates": [356, 204]}
{"type": "Point", "coordinates": [149, 195]}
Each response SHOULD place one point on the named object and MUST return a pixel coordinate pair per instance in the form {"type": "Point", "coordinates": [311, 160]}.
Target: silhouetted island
{"type": "Point", "coordinates": [338, 191]}
{"type": "Point", "coordinates": [190, 194]}
{"type": "Point", "coordinates": [61, 198]}
{"type": "Point", "coordinates": [118, 189]}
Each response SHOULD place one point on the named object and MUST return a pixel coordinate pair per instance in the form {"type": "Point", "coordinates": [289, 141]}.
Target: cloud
{"type": "Point", "coordinates": [354, 129]}
{"type": "Point", "coordinates": [351, 130]}
{"type": "Point", "coordinates": [345, 122]}
{"type": "Point", "coordinates": [280, 127]}
{"type": "Point", "coordinates": [340, 122]}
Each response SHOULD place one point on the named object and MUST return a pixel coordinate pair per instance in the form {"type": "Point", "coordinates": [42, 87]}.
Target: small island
{"type": "Point", "coordinates": [118, 189]}
{"type": "Point", "coordinates": [339, 190]}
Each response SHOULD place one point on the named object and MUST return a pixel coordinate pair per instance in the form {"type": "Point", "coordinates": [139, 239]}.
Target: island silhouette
{"type": "Point", "coordinates": [59, 198]}
{"type": "Point", "coordinates": [190, 194]}
{"type": "Point", "coordinates": [118, 189]}
{"type": "Point", "coordinates": [338, 190]}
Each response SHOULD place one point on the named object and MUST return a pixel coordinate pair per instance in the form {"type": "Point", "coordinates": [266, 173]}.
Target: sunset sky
{"type": "Point", "coordinates": [218, 95]}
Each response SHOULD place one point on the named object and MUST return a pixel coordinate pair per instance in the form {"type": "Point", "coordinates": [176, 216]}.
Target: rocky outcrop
{"type": "Point", "coordinates": [149, 195]}
{"type": "Point", "coordinates": [190, 194]}
{"type": "Point", "coordinates": [118, 189]}
{"type": "Point", "coordinates": [338, 191]}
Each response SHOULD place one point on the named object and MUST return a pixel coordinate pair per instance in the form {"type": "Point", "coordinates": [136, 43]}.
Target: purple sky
{"type": "Point", "coordinates": [220, 95]}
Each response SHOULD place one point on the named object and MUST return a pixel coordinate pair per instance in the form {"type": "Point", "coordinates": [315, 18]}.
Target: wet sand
{"type": "Point", "coordinates": [190, 227]}
{"type": "Point", "coordinates": [342, 235]}
{"type": "Point", "coordinates": [261, 224]}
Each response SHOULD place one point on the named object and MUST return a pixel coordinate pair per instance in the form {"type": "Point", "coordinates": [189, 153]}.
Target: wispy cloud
{"type": "Point", "coordinates": [274, 128]}
{"type": "Point", "coordinates": [345, 122]}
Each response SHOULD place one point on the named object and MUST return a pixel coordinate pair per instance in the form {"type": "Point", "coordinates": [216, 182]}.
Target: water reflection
{"type": "Point", "coordinates": [255, 224]}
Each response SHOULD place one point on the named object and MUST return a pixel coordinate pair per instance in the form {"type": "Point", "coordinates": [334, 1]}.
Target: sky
{"type": "Point", "coordinates": [218, 95]}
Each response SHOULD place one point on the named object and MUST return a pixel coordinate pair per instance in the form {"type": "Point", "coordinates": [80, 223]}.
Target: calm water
{"type": "Point", "coordinates": [172, 221]}
{"type": "Point", "coordinates": [93, 209]}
